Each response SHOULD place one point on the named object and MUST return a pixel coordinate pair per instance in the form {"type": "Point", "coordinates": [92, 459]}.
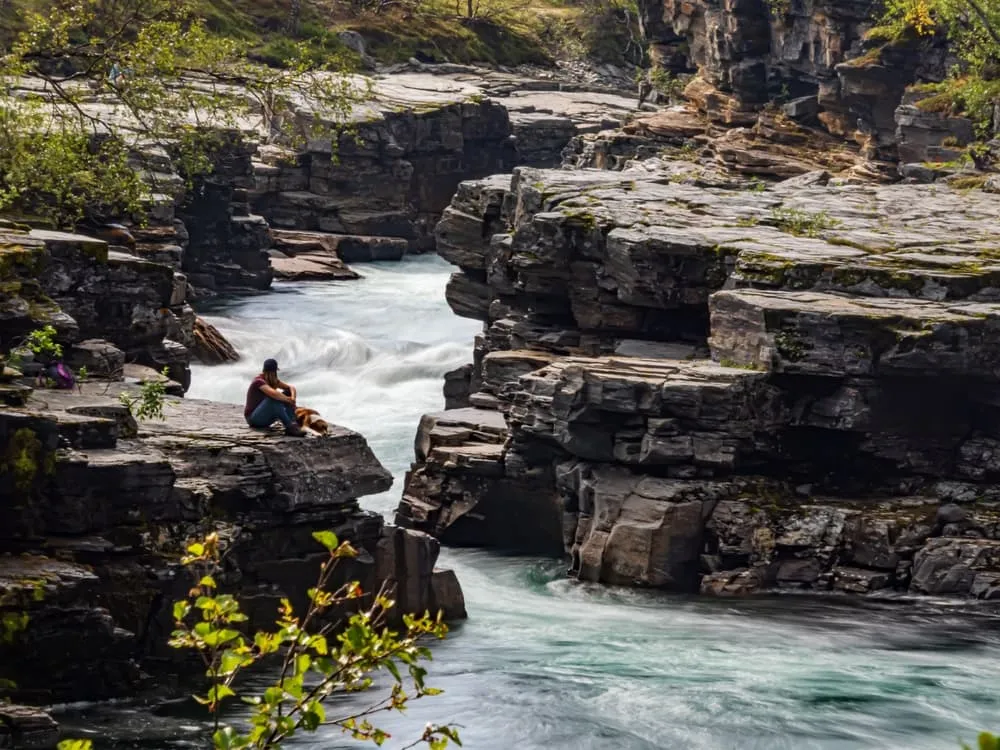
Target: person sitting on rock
{"type": "Point", "coordinates": [269, 401]}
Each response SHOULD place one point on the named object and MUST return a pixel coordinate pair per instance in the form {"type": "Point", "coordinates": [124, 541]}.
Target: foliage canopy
{"type": "Point", "coordinates": [92, 90]}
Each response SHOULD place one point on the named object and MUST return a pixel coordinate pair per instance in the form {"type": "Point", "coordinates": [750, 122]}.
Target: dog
{"type": "Point", "coordinates": [310, 419]}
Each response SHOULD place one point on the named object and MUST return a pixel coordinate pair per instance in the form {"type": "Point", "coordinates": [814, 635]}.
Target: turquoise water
{"type": "Point", "coordinates": [545, 663]}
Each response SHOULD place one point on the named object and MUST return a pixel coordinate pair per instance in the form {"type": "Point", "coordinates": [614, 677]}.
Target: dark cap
{"type": "Point", "coordinates": [270, 365]}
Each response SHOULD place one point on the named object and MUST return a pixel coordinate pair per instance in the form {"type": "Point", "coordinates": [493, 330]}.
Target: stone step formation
{"type": "Point", "coordinates": [723, 388]}
{"type": "Point", "coordinates": [95, 508]}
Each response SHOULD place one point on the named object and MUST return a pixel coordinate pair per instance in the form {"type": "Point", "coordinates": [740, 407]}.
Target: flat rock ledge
{"type": "Point", "coordinates": [723, 387]}
{"type": "Point", "coordinates": [98, 508]}
{"type": "Point", "coordinates": [27, 727]}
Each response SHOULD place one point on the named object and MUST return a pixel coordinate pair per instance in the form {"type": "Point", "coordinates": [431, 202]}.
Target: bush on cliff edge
{"type": "Point", "coordinates": [90, 90]}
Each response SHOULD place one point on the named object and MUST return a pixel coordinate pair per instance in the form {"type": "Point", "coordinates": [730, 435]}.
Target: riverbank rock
{"type": "Point", "coordinates": [724, 390]}
{"type": "Point", "coordinates": [210, 346]}
{"type": "Point", "coordinates": [462, 492]}
{"type": "Point", "coordinates": [98, 510]}
{"type": "Point", "coordinates": [27, 727]}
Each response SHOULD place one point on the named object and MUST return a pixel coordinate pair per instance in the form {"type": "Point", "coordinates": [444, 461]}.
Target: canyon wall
{"type": "Point", "coordinates": [721, 388]}
{"type": "Point", "coordinates": [809, 58]}
{"type": "Point", "coordinates": [95, 509]}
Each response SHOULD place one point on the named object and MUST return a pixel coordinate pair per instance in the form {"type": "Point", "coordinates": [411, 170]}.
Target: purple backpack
{"type": "Point", "coordinates": [61, 375]}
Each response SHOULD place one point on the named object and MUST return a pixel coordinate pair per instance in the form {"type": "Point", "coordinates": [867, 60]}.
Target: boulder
{"type": "Point", "coordinates": [958, 566]}
{"type": "Point", "coordinates": [210, 347]}
{"type": "Point", "coordinates": [102, 359]}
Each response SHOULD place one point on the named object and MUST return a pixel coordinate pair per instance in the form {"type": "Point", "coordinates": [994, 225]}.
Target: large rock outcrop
{"type": "Point", "coordinates": [721, 389]}
{"type": "Point", "coordinates": [812, 57]}
{"type": "Point", "coordinates": [95, 510]}
{"type": "Point", "coordinates": [418, 137]}
{"type": "Point", "coordinates": [96, 514]}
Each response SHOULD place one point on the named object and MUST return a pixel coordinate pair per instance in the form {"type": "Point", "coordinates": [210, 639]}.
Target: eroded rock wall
{"type": "Point", "coordinates": [88, 291]}
{"type": "Point", "coordinates": [391, 178]}
{"type": "Point", "coordinates": [810, 58]}
{"type": "Point", "coordinates": [724, 389]}
{"type": "Point", "coordinates": [95, 510]}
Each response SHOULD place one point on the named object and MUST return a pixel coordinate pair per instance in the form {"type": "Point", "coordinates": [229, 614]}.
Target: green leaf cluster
{"type": "Point", "coordinates": [972, 28]}
{"type": "Point", "coordinates": [151, 399]}
{"type": "Point", "coordinates": [322, 653]}
{"type": "Point", "coordinates": [802, 223]}
{"type": "Point", "coordinates": [42, 341]}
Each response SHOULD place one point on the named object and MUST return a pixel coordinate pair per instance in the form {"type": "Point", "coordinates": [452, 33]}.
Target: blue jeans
{"type": "Point", "coordinates": [269, 411]}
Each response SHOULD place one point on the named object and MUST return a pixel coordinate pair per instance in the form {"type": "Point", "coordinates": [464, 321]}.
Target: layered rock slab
{"type": "Point", "coordinates": [829, 335]}
{"type": "Point", "coordinates": [118, 505]}
{"type": "Point", "coordinates": [852, 328]}
{"type": "Point", "coordinates": [463, 491]}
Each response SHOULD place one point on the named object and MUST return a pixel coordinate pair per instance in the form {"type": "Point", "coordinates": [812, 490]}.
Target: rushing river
{"type": "Point", "coordinates": [545, 663]}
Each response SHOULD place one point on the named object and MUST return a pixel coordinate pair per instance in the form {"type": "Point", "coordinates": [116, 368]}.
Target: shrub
{"type": "Point", "coordinates": [318, 661]}
{"type": "Point", "coordinates": [149, 403]}
{"type": "Point", "coordinates": [42, 343]}
{"type": "Point", "coordinates": [804, 223]}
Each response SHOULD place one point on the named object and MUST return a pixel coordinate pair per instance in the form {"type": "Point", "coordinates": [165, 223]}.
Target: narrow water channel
{"type": "Point", "coordinates": [546, 664]}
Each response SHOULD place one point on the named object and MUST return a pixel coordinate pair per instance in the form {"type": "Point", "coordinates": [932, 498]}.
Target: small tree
{"type": "Point", "coordinates": [319, 655]}
{"type": "Point", "coordinates": [89, 86]}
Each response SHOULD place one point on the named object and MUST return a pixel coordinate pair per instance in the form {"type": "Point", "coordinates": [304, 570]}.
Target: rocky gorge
{"type": "Point", "coordinates": [687, 379]}
{"type": "Point", "coordinates": [721, 350]}
{"type": "Point", "coordinates": [97, 507]}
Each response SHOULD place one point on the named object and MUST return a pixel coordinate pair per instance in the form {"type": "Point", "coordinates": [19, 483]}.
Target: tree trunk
{"type": "Point", "coordinates": [293, 17]}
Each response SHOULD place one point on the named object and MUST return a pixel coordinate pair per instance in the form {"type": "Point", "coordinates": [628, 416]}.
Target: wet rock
{"type": "Point", "coordinates": [27, 727]}
{"type": "Point", "coordinates": [860, 581]}
{"type": "Point", "coordinates": [637, 531]}
{"type": "Point", "coordinates": [210, 347]}
{"type": "Point", "coordinates": [957, 566]}
{"type": "Point", "coordinates": [405, 563]}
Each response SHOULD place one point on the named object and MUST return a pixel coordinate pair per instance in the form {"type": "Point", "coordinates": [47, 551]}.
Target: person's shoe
{"type": "Point", "coordinates": [293, 430]}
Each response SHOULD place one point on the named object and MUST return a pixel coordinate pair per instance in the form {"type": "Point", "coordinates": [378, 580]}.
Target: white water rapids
{"type": "Point", "coordinates": [546, 664]}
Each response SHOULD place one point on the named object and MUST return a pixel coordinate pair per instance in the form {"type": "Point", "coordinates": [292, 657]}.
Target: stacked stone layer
{"type": "Point", "coordinates": [725, 390]}
{"type": "Point", "coordinates": [96, 510]}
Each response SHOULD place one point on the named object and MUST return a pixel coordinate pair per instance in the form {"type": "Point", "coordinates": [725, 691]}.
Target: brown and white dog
{"type": "Point", "coordinates": [310, 419]}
